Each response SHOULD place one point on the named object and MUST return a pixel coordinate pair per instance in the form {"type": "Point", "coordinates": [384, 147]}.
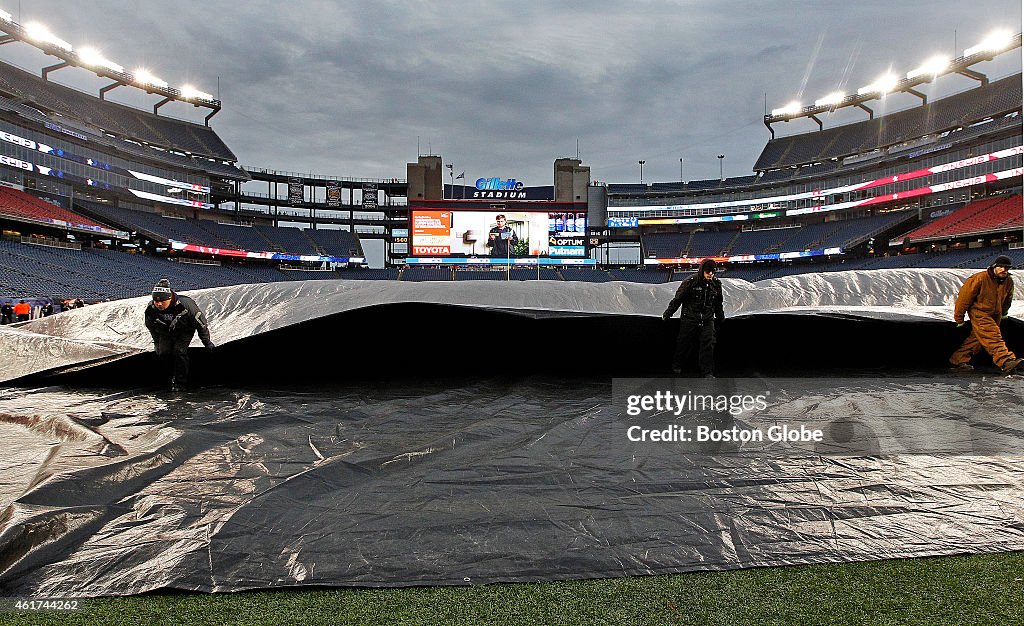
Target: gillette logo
{"type": "Point", "coordinates": [496, 184]}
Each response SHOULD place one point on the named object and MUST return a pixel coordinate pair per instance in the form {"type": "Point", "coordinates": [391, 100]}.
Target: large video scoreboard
{"type": "Point", "coordinates": [450, 232]}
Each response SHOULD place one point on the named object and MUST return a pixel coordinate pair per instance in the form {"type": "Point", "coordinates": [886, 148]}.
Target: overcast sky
{"type": "Point", "coordinates": [503, 88]}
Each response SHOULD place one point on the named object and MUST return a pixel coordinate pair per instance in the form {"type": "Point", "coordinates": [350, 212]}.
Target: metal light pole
{"type": "Point", "coordinates": [451, 173]}
{"type": "Point", "coordinates": [680, 169]}
{"type": "Point", "coordinates": [641, 171]}
{"type": "Point", "coordinates": [721, 171]}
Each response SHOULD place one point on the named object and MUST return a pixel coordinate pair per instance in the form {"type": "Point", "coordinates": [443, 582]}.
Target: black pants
{"type": "Point", "coordinates": [173, 353]}
{"type": "Point", "coordinates": [695, 334]}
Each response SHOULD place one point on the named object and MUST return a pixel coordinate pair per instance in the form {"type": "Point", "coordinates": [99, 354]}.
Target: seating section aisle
{"type": "Point", "coordinates": [335, 242]}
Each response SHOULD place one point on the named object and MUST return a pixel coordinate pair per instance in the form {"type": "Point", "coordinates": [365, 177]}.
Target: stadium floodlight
{"type": "Point", "coordinates": [932, 67]}
{"type": "Point", "coordinates": [191, 93]}
{"type": "Point", "coordinates": [40, 33]}
{"type": "Point", "coordinates": [142, 76]}
{"type": "Point", "coordinates": [792, 108]}
{"type": "Point", "coordinates": [94, 58]}
{"type": "Point", "coordinates": [883, 85]}
{"type": "Point", "coordinates": [994, 42]}
{"type": "Point", "coordinates": [833, 98]}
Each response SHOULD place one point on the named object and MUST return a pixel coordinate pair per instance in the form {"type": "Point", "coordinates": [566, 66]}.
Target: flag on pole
{"type": "Point", "coordinates": [462, 175]}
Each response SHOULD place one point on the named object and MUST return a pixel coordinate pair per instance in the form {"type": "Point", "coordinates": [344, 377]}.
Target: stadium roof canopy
{"type": "Point", "coordinates": [994, 45]}
{"type": "Point", "coordinates": [39, 36]}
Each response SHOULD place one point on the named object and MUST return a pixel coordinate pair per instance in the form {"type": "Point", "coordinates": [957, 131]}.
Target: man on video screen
{"type": "Point", "coordinates": [501, 239]}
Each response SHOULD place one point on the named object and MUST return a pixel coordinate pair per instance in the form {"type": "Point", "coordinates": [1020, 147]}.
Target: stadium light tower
{"type": "Point", "coordinates": [991, 46]}
{"type": "Point", "coordinates": [721, 167]}
{"type": "Point", "coordinates": [451, 174]}
{"type": "Point", "coordinates": [641, 162]}
{"type": "Point", "coordinates": [38, 35]}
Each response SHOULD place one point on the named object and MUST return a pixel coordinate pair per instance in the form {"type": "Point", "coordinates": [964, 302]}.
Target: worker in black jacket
{"type": "Point", "coordinates": [700, 297]}
{"type": "Point", "coordinates": [173, 320]}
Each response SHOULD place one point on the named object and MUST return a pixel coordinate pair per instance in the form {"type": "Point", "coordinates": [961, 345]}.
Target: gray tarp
{"type": "Point", "coordinates": [242, 311]}
{"type": "Point", "coordinates": [468, 477]}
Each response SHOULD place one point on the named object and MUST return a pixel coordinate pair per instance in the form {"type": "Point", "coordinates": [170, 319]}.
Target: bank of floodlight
{"type": "Point", "coordinates": [995, 41]}
{"type": "Point", "coordinates": [792, 108]}
{"type": "Point", "coordinates": [42, 34]}
{"type": "Point", "coordinates": [94, 58]}
{"type": "Point", "coordinates": [38, 35]}
{"type": "Point", "coordinates": [831, 99]}
{"type": "Point", "coordinates": [932, 67]}
{"type": "Point", "coordinates": [883, 85]}
{"type": "Point", "coordinates": [144, 77]}
{"type": "Point", "coordinates": [191, 93]}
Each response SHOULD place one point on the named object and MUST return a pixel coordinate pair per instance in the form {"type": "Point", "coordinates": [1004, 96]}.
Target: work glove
{"type": "Point", "coordinates": [665, 316]}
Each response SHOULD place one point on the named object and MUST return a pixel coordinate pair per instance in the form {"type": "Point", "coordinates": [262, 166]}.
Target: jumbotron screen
{"type": "Point", "coordinates": [496, 233]}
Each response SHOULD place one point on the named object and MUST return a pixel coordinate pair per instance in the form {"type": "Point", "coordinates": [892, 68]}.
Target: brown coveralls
{"type": "Point", "coordinates": [987, 301]}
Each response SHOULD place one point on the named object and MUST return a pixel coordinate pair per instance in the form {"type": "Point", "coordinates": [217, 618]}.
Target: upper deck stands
{"type": "Point", "coordinates": [114, 118]}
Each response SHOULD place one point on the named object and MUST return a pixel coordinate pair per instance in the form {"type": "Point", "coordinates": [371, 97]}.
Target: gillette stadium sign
{"type": "Point", "coordinates": [511, 189]}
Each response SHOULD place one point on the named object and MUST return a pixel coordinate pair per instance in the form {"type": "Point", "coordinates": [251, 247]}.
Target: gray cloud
{"type": "Point", "coordinates": [500, 88]}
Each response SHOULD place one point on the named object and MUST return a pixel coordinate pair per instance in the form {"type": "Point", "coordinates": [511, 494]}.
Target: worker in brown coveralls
{"type": "Point", "coordinates": [986, 298]}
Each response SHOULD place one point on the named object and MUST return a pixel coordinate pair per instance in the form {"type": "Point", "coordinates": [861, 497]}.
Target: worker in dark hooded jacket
{"type": "Point", "coordinates": [986, 298]}
{"type": "Point", "coordinates": [173, 320]}
{"type": "Point", "coordinates": [700, 298]}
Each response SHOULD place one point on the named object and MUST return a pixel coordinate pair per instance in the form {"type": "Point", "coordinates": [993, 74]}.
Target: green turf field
{"type": "Point", "coordinates": [983, 589]}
